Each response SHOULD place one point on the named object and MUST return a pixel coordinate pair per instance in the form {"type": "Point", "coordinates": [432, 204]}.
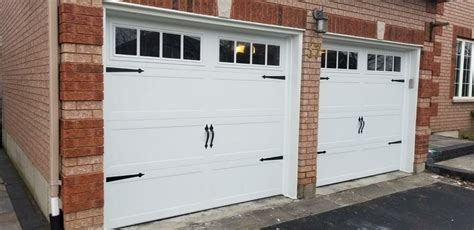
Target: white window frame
{"type": "Point", "coordinates": [460, 72]}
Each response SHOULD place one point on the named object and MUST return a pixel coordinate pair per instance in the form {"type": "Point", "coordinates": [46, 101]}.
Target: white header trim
{"type": "Point", "coordinates": [345, 37]}
{"type": "Point", "coordinates": [118, 5]}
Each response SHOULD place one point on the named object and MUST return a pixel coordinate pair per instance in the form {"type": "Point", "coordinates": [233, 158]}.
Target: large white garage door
{"type": "Point", "coordinates": [200, 127]}
{"type": "Point", "coordinates": [361, 112]}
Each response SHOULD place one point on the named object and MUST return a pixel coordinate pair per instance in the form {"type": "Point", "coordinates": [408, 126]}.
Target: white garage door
{"type": "Point", "coordinates": [200, 127]}
{"type": "Point", "coordinates": [361, 112]}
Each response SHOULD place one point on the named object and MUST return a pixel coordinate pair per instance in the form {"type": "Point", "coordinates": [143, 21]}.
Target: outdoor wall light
{"type": "Point", "coordinates": [321, 21]}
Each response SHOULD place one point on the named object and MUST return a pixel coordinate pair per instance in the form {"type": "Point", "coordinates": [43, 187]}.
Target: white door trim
{"type": "Point", "coordinates": [413, 53]}
{"type": "Point", "coordinates": [293, 82]}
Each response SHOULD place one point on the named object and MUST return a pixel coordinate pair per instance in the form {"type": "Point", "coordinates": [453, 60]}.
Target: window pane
{"type": "Point", "coordinates": [459, 47]}
{"type": "Point", "coordinates": [397, 62]}
{"type": "Point", "coordinates": [149, 43]}
{"type": "Point", "coordinates": [243, 52]}
{"type": "Point", "coordinates": [258, 54]}
{"type": "Point", "coordinates": [353, 60]}
{"type": "Point", "coordinates": [273, 55]}
{"type": "Point", "coordinates": [192, 48]}
{"type": "Point", "coordinates": [380, 62]}
{"type": "Point", "coordinates": [458, 68]}
{"type": "Point", "coordinates": [323, 59]}
{"type": "Point", "coordinates": [125, 41]}
{"type": "Point", "coordinates": [171, 45]}
{"type": "Point", "coordinates": [226, 51]}
{"type": "Point", "coordinates": [332, 59]}
{"type": "Point", "coordinates": [371, 62]}
{"type": "Point", "coordinates": [389, 63]}
{"type": "Point", "coordinates": [342, 60]}
{"type": "Point", "coordinates": [467, 69]}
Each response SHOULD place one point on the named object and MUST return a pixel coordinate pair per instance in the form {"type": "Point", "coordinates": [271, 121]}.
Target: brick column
{"type": "Point", "coordinates": [309, 111]}
{"type": "Point", "coordinates": [427, 89]}
{"type": "Point", "coordinates": [81, 126]}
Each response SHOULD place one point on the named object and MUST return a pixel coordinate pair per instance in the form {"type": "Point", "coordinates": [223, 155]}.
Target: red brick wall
{"type": "Point", "coordinates": [451, 116]}
{"type": "Point", "coordinates": [207, 7]}
{"type": "Point", "coordinates": [81, 127]}
{"type": "Point", "coordinates": [24, 67]}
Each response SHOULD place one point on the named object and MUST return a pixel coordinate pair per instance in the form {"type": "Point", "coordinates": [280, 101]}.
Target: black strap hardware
{"type": "Point", "coordinates": [395, 142]}
{"type": "Point", "coordinates": [274, 77]}
{"type": "Point", "coordinates": [123, 177]}
{"type": "Point", "coordinates": [272, 158]}
{"type": "Point", "coordinates": [124, 70]}
{"type": "Point", "coordinates": [398, 80]}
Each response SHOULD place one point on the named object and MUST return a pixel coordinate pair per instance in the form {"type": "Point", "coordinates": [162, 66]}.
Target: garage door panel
{"type": "Point", "coordinates": [253, 137]}
{"type": "Point", "coordinates": [340, 94]}
{"type": "Point", "coordinates": [382, 124]}
{"type": "Point", "coordinates": [141, 199]}
{"type": "Point", "coordinates": [382, 94]}
{"type": "Point", "coordinates": [166, 96]}
{"type": "Point", "coordinates": [260, 179]}
{"type": "Point", "coordinates": [243, 97]}
{"type": "Point", "coordinates": [338, 128]}
{"type": "Point", "coordinates": [378, 159]}
{"type": "Point", "coordinates": [155, 145]}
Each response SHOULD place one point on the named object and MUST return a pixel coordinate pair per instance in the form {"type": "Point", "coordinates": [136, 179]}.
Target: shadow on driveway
{"type": "Point", "coordinates": [437, 206]}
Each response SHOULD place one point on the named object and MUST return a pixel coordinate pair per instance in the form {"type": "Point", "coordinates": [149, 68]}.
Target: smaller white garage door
{"type": "Point", "coordinates": [362, 107]}
{"type": "Point", "coordinates": [200, 127]}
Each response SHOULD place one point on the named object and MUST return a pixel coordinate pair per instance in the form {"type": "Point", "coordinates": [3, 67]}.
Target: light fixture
{"type": "Point", "coordinates": [240, 49]}
{"type": "Point", "coordinates": [435, 24]}
{"type": "Point", "coordinates": [321, 21]}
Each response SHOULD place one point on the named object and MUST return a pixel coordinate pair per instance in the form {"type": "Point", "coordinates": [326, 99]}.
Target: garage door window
{"type": "Point", "coordinates": [126, 41]}
{"type": "Point", "coordinates": [273, 57]}
{"type": "Point", "coordinates": [240, 52]}
{"type": "Point", "coordinates": [243, 52]}
{"type": "Point", "coordinates": [192, 48]}
{"type": "Point", "coordinates": [156, 44]}
{"type": "Point", "coordinates": [171, 46]}
{"type": "Point", "coordinates": [464, 65]}
{"type": "Point", "coordinates": [149, 43]}
{"type": "Point", "coordinates": [379, 62]}
{"type": "Point", "coordinates": [334, 59]}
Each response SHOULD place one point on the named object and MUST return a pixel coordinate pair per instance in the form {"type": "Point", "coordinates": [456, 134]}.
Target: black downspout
{"type": "Point", "coordinates": [57, 222]}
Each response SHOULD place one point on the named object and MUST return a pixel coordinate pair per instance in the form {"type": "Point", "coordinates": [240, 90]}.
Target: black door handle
{"type": "Point", "coordinates": [363, 125]}
{"type": "Point", "coordinates": [207, 135]}
{"type": "Point", "coordinates": [360, 125]}
{"type": "Point", "coordinates": [212, 139]}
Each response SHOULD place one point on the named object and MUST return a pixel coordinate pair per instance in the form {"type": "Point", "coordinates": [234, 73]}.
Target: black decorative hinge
{"type": "Point", "coordinates": [324, 78]}
{"type": "Point", "coordinates": [118, 70]}
{"type": "Point", "coordinates": [115, 178]}
{"type": "Point", "coordinates": [274, 77]}
{"type": "Point", "coordinates": [272, 158]}
{"type": "Point", "coordinates": [321, 152]}
{"type": "Point", "coordinates": [398, 80]}
{"type": "Point", "coordinates": [394, 142]}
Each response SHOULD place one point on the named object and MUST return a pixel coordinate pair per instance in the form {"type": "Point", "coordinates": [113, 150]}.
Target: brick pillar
{"type": "Point", "coordinates": [427, 88]}
{"type": "Point", "coordinates": [309, 110]}
{"type": "Point", "coordinates": [81, 126]}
